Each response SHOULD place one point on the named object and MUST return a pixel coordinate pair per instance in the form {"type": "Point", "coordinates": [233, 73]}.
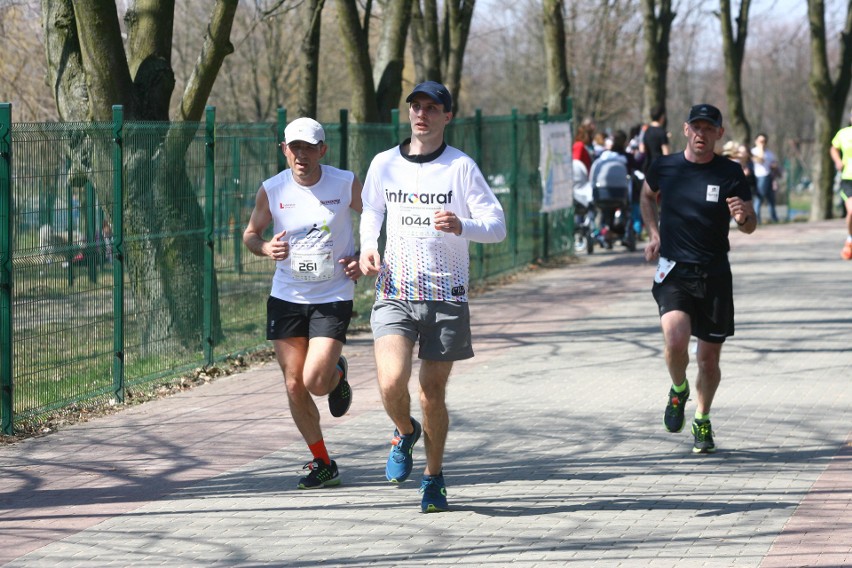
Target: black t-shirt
{"type": "Point", "coordinates": [654, 138]}
{"type": "Point", "coordinates": [694, 215]}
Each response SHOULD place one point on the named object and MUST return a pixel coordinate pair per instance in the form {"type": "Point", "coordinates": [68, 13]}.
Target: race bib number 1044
{"type": "Point", "coordinates": [414, 221]}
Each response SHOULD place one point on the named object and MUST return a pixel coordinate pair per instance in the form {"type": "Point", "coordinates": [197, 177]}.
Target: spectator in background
{"type": "Point", "coordinates": [582, 143]}
{"type": "Point", "coordinates": [740, 154]}
{"type": "Point", "coordinates": [602, 175]}
{"type": "Point", "coordinates": [599, 143]}
{"type": "Point", "coordinates": [634, 146]}
{"type": "Point", "coordinates": [617, 150]}
{"type": "Point", "coordinates": [747, 164]}
{"type": "Point", "coordinates": [767, 173]}
{"type": "Point", "coordinates": [655, 140]}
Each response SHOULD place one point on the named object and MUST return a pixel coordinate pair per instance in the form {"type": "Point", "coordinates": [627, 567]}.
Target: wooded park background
{"type": "Point", "coordinates": [782, 68]}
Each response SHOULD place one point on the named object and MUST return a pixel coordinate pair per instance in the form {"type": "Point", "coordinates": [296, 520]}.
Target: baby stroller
{"type": "Point", "coordinates": [584, 211]}
{"type": "Point", "coordinates": [611, 193]}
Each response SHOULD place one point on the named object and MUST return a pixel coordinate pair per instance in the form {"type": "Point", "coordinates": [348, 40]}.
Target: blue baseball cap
{"type": "Point", "coordinates": [435, 91]}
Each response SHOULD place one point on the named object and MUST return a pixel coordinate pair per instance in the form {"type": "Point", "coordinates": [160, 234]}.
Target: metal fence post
{"type": "Point", "coordinates": [70, 212]}
{"type": "Point", "coordinates": [118, 257]}
{"type": "Point", "coordinates": [235, 200]}
{"type": "Point", "coordinates": [209, 228]}
{"type": "Point", "coordinates": [6, 354]}
{"type": "Point", "coordinates": [282, 124]}
{"type": "Point", "coordinates": [394, 137]}
{"type": "Point", "coordinates": [516, 167]}
{"type": "Point", "coordinates": [569, 116]}
{"type": "Point", "coordinates": [478, 156]}
{"type": "Point", "coordinates": [90, 254]}
{"type": "Point", "coordinates": [344, 140]}
{"type": "Point", "coordinates": [545, 217]}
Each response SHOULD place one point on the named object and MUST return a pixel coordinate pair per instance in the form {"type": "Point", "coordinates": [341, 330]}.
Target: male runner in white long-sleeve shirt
{"type": "Point", "coordinates": [436, 201]}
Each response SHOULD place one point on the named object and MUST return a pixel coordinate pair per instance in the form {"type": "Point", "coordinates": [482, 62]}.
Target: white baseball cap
{"type": "Point", "coordinates": [304, 129]}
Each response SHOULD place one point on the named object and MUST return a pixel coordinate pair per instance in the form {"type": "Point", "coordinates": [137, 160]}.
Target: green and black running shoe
{"type": "Point", "coordinates": [321, 475]}
{"type": "Point", "coordinates": [673, 419]}
{"type": "Point", "coordinates": [703, 437]}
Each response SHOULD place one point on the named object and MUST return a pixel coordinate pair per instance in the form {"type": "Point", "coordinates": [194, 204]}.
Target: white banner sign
{"type": "Point", "coordinates": [555, 166]}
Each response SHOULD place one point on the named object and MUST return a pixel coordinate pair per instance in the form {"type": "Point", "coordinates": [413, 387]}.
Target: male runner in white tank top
{"type": "Point", "coordinates": [310, 306]}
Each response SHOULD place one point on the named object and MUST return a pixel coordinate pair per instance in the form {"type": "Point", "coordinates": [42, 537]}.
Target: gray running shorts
{"type": "Point", "coordinates": [443, 327]}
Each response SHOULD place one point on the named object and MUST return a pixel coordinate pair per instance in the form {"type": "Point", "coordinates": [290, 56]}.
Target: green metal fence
{"type": "Point", "coordinates": [121, 256]}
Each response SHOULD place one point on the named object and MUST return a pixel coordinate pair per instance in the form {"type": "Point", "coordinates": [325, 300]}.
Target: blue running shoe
{"type": "Point", "coordinates": [400, 460]}
{"type": "Point", "coordinates": [434, 494]}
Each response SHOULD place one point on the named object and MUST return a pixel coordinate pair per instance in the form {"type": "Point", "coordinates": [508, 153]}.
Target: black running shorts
{"type": "Point", "coordinates": [707, 298]}
{"type": "Point", "coordinates": [287, 319]}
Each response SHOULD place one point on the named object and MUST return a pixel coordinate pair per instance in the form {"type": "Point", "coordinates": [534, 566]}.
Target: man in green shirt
{"type": "Point", "coordinates": [841, 153]}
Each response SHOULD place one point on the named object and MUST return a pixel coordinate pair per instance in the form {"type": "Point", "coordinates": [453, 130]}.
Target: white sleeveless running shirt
{"type": "Point", "coordinates": [319, 229]}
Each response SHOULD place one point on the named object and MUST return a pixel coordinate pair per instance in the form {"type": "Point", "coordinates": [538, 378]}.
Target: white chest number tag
{"type": "Point", "coordinates": [417, 221]}
{"type": "Point", "coordinates": [312, 265]}
{"type": "Point", "coordinates": [664, 266]}
{"type": "Point", "coordinates": [713, 193]}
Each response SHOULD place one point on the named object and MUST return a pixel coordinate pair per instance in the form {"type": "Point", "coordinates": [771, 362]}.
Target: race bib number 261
{"type": "Point", "coordinates": [311, 266]}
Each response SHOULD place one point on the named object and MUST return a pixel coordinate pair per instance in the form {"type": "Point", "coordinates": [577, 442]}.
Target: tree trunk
{"type": "Point", "coordinates": [390, 58]}
{"type": "Point", "coordinates": [150, 26]}
{"type": "Point", "coordinates": [363, 97]}
{"type": "Point", "coordinates": [164, 272]}
{"type": "Point", "coordinates": [65, 73]}
{"type": "Point", "coordinates": [107, 73]}
{"type": "Point", "coordinates": [459, 13]}
{"type": "Point", "coordinates": [657, 32]}
{"type": "Point", "coordinates": [733, 47]}
{"type": "Point", "coordinates": [217, 45]}
{"type": "Point", "coordinates": [829, 98]}
{"type": "Point", "coordinates": [554, 52]}
{"type": "Point", "coordinates": [426, 49]}
{"type": "Point", "coordinates": [309, 61]}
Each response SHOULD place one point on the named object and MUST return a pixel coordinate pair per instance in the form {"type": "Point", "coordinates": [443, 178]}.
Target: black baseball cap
{"type": "Point", "coordinates": [705, 112]}
{"type": "Point", "coordinates": [435, 91]}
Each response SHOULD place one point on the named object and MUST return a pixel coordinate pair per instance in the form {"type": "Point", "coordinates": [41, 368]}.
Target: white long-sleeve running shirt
{"type": "Point", "coordinates": [419, 262]}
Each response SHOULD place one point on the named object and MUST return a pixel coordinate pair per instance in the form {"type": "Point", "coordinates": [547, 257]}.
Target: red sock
{"type": "Point", "coordinates": [319, 452]}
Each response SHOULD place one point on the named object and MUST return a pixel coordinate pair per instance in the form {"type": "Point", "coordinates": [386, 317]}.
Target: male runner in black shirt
{"type": "Point", "coordinates": [688, 236]}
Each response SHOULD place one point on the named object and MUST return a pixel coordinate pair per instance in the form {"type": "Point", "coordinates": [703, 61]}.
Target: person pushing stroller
{"type": "Point", "coordinates": [612, 177]}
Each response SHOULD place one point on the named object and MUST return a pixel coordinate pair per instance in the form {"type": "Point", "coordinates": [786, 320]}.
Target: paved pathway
{"type": "Point", "coordinates": [557, 454]}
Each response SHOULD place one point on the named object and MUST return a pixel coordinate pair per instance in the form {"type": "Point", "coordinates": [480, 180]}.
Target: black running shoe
{"type": "Point", "coordinates": [321, 475]}
{"type": "Point", "coordinates": [340, 399]}
{"type": "Point", "coordinates": [673, 418]}
{"type": "Point", "coordinates": [703, 437]}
